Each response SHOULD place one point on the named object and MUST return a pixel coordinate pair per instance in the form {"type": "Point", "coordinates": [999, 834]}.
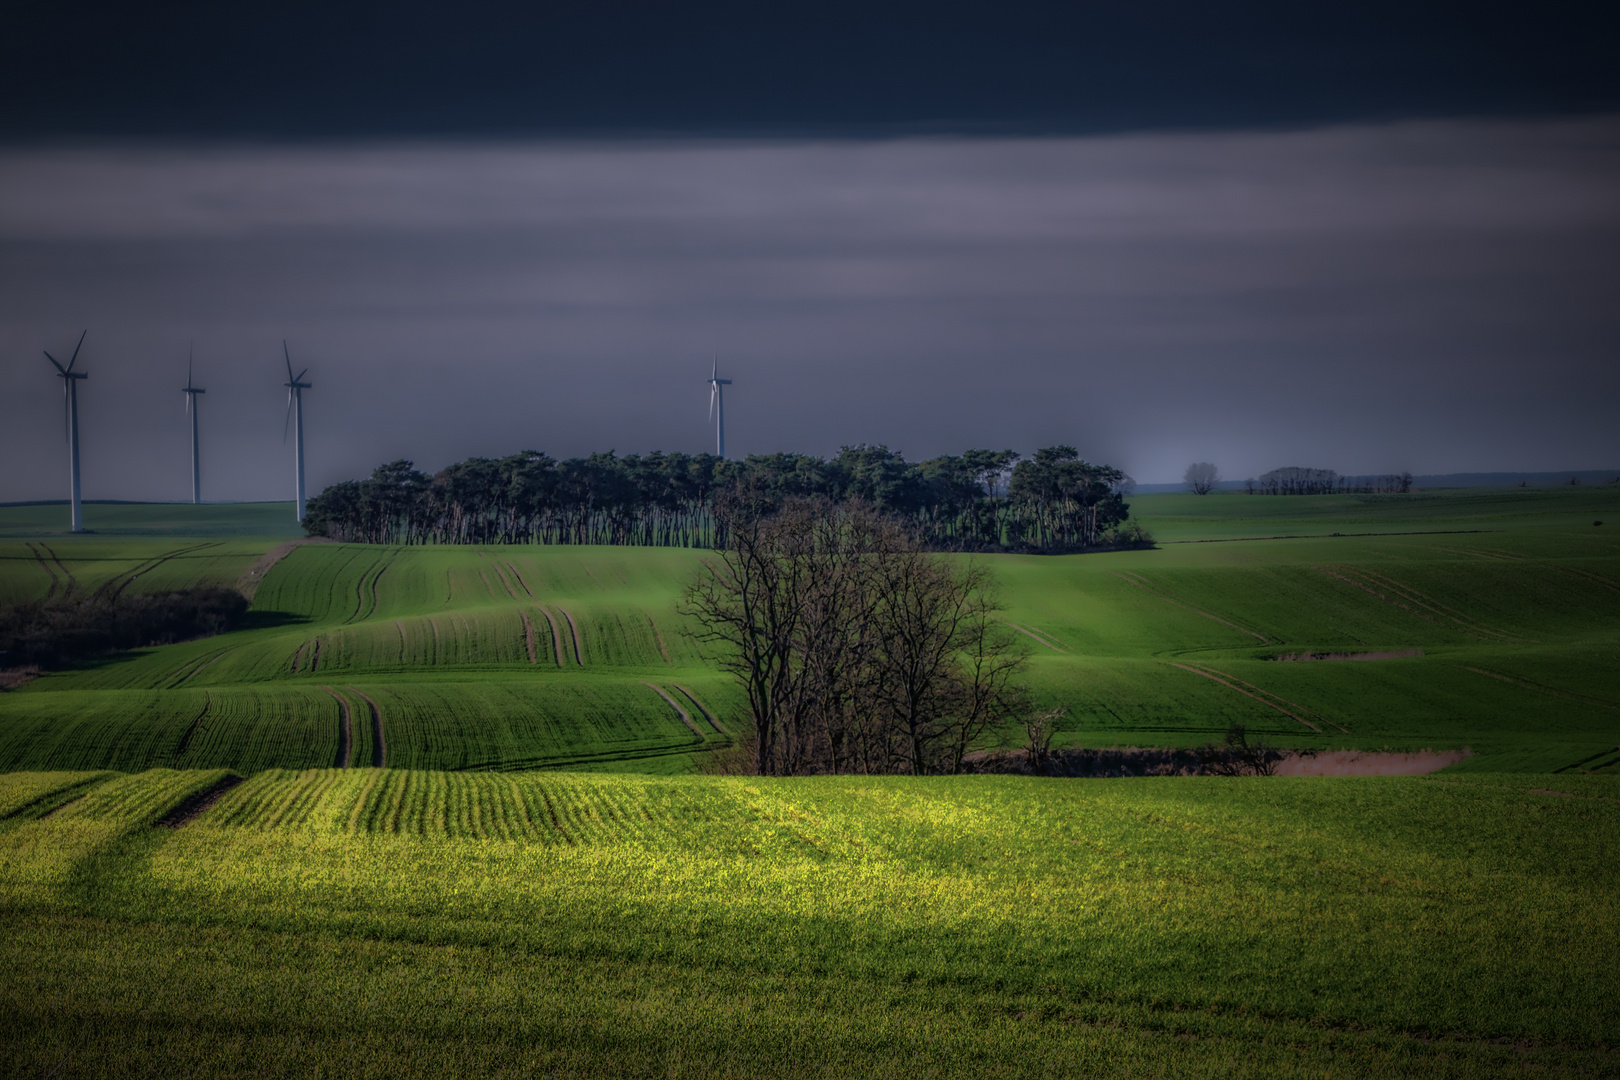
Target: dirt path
{"type": "Point", "coordinates": [686, 717]}
{"type": "Point", "coordinates": [379, 745]}
{"type": "Point", "coordinates": [248, 583]}
{"type": "Point", "coordinates": [345, 749]}
{"type": "Point", "coordinates": [1369, 763]}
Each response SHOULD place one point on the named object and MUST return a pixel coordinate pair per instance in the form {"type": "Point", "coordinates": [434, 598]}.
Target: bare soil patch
{"type": "Point", "coordinates": [1177, 761]}
{"type": "Point", "coordinates": [1385, 654]}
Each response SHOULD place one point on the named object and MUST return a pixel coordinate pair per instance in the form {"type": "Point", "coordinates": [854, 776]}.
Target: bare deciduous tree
{"type": "Point", "coordinates": [1202, 477]}
{"type": "Point", "coordinates": [857, 649]}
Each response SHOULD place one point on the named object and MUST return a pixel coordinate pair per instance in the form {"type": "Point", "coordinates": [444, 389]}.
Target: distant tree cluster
{"type": "Point", "coordinates": [983, 500]}
{"type": "Point", "coordinates": [1294, 480]}
{"type": "Point", "coordinates": [858, 650]}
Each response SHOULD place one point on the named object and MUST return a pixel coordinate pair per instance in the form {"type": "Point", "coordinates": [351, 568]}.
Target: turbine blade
{"type": "Point", "coordinates": [54, 364]}
{"type": "Point", "coordinates": [288, 421]}
{"type": "Point", "coordinates": [76, 349]}
{"type": "Point", "coordinates": [191, 355]}
{"type": "Point", "coordinates": [713, 390]}
{"type": "Point", "coordinates": [288, 357]}
{"type": "Point", "coordinates": [65, 424]}
{"type": "Point", "coordinates": [301, 375]}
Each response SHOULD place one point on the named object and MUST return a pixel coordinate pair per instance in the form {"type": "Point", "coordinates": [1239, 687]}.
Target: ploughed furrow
{"type": "Point", "coordinates": [115, 586]}
{"type": "Point", "coordinates": [1164, 594]}
{"type": "Point", "coordinates": [1220, 677]}
{"type": "Point", "coordinates": [1586, 575]}
{"type": "Point", "coordinates": [345, 748]}
{"type": "Point", "coordinates": [379, 745]}
{"type": "Point", "coordinates": [686, 717]}
{"type": "Point", "coordinates": [703, 710]}
{"type": "Point", "coordinates": [1271, 697]}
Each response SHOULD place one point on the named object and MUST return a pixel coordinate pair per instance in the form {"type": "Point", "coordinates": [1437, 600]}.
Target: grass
{"type": "Point", "coordinates": [419, 922]}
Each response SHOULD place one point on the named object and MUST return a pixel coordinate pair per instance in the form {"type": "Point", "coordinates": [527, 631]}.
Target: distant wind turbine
{"type": "Point", "coordinates": [70, 418]}
{"type": "Point", "coordinates": [717, 408]}
{"type": "Point", "coordinates": [191, 393]}
{"type": "Point", "coordinates": [295, 404]}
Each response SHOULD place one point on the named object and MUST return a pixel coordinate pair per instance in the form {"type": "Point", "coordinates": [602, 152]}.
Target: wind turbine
{"type": "Point", "coordinates": [70, 417]}
{"type": "Point", "coordinates": [295, 403]}
{"type": "Point", "coordinates": [191, 393]}
{"type": "Point", "coordinates": [717, 407]}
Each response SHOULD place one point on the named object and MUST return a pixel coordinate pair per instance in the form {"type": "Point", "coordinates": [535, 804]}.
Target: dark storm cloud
{"type": "Point", "coordinates": [301, 69]}
{"type": "Point", "coordinates": [1434, 296]}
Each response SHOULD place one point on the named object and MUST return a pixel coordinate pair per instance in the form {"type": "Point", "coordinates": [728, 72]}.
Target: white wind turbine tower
{"type": "Point", "coordinates": [191, 393]}
{"type": "Point", "coordinates": [295, 404]}
{"type": "Point", "coordinates": [70, 416]}
{"type": "Point", "coordinates": [717, 408]}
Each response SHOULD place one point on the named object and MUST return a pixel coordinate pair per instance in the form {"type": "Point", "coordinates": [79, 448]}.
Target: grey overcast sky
{"type": "Point", "coordinates": [1366, 241]}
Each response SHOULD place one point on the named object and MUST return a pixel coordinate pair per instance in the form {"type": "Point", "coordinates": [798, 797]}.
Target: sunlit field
{"type": "Point", "coordinates": [436, 811]}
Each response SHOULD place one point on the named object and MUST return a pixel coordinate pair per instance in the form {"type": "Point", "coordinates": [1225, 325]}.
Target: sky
{"type": "Point", "coordinates": [1368, 241]}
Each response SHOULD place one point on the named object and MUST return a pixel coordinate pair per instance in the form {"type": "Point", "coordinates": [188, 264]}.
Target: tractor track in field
{"type": "Point", "coordinates": [114, 587]}
{"type": "Point", "coordinates": [195, 806]}
{"type": "Point", "coordinates": [1413, 602]}
{"type": "Point", "coordinates": [579, 650]}
{"type": "Point", "coordinates": [528, 634]}
{"type": "Point", "coordinates": [366, 589]}
{"type": "Point", "coordinates": [1594, 579]}
{"type": "Point", "coordinates": [1169, 597]}
{"type": "Point", "coordinates": [45, 565]}
{"type": "Point", "coordinates": [1539, 688]}
{"type": "Point", "coordinates": [345, 750]}
{"type": "Point", "coordinates": [248, 583]}
{"type": "Point", "coordinates": [73, 793]}
{"type": "Point", "coordinates": [187, 673]}
{"type": "Point", "coordinates": [1221, 677]}
{"type": "Point", "coordinates": [1038, 637]}
{"type": "Point", "coordinates": [379, 744]}
{"type": "Point", "coordinates": [519, 578]}
{"type": "Point", "coordinates": [192, 729]}
{"type": "Point", "coordinates": [686, 717]}
{"type": "Point", "coordinates": [707, 713]}
{"type": "Point", "coordinates": [556, 634]}
{"type": "Point", "coordinates": [659, 638]}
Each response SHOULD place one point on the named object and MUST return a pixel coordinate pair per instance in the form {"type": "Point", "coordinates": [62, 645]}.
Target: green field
{"type": "Point", "coordinates": [535, 657]}
{"type": "Point", "coordinates": [388, 922]}
{"type": "Point", "coordinates": [518, 892]}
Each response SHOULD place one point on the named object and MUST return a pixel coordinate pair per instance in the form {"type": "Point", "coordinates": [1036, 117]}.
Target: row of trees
{"type": "Point", "coordinates": [859, 651]}
{"type": "Point", "coordinates": [982, 500]}
{"type": "Point", "coordinates": [1297, 481]}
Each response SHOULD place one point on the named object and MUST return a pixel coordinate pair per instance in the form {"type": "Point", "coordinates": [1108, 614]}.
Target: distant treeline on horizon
{"type": "Point", "coordinates": [982, 500]}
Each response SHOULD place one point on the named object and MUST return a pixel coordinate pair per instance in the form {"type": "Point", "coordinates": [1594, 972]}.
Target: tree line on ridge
{"type": "Point", "coordinates": [982, 500]}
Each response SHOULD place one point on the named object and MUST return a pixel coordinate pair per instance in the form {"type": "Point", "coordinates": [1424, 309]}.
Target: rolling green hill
{"type": "Point", "coordinates": [1497, 614]}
